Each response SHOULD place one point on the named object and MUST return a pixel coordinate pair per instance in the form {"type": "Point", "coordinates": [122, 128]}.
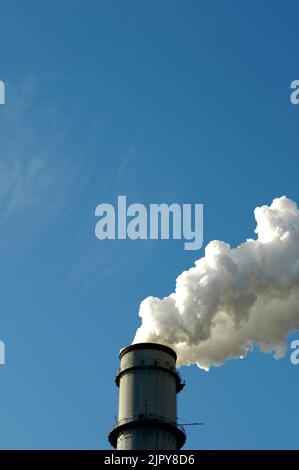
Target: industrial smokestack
{"type": "Point", "coordinates": [148, 384]}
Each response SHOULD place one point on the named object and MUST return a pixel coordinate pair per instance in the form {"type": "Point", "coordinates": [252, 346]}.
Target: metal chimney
{"type": "Point", "coordinates": [148, 384]}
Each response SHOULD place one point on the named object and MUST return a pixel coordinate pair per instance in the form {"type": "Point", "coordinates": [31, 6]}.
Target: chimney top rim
{"type": "Point", "coordinates": [157, 346]}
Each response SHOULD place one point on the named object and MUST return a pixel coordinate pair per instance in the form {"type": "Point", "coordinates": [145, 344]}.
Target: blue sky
{"type": "Point", "coordinates": [170, 101]}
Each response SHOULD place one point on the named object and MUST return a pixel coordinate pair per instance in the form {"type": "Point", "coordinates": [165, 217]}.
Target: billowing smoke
{"type": "Point", "coordinates": [234, 298]}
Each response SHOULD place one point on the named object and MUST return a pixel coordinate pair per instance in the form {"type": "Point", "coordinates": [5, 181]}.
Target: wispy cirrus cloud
{"type": "Point", "coordinates": [37, 169]}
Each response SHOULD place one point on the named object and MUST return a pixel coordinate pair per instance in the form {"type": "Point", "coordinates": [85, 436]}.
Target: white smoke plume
{"type": "Point", "coordinates": [233, 298]}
